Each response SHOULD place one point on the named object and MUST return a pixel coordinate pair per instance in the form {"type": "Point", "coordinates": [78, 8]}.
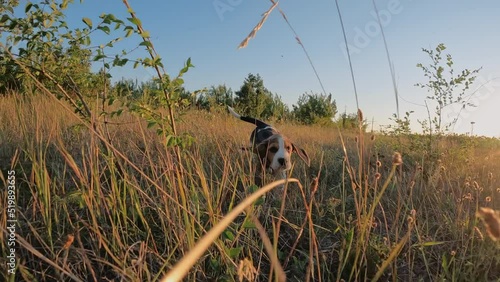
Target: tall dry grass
{"type": "Point", "coordinates": [85, 214]}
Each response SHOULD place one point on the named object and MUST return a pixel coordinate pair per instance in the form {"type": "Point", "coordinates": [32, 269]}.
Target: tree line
{"type": "Point", "coordinates": [251, 99]}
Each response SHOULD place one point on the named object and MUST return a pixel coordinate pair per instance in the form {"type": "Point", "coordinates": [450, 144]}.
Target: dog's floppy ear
{"type": "Point", "coordinates": [261, 149]}
{"type": "Point", "coordinates": [302, 154]}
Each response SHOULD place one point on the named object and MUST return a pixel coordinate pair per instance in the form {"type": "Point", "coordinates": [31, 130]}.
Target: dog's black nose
{"type": "Point", "coordinates": [281, 161]}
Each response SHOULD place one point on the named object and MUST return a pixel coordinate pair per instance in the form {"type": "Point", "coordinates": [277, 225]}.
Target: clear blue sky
{"type": "Point", "coordinates": [197, 29]}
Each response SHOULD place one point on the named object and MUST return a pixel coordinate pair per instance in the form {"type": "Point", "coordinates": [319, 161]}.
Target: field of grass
{"type": "Point", "coordinates": [127, 209]}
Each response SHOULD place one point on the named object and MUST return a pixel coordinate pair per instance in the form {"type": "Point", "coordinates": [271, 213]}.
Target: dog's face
{"type": "Point", "coordinates": [275, 153]}
{"type": "Point", "coordinates": [272, 148]}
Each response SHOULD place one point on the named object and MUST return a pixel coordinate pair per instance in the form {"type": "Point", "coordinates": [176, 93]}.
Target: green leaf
{"type": "Point", "coordinates": [17, 39]}
{"type": "Point", "coordinates": [429, 244]}
{"type": "Point", "coordinates": [88, 22]}
{"type": "Point", "coordinates": [183, 71]}
{"type": "Point", "coordinates": [146, 43]}
{"type": "Point", "coordinates": [432, 243]}
{"type": "Point", "coordinates": [13, 24]}
{"type": "Point", "coordinates": [248, 224]}
{"type": "Point", "coordinates": [172, 141]}
{"type": "Point", "coordinates": [260, 201]}
{"type": "Point", "coordinates": [105, 29]}
{"type": "Point", "coordinates": [151, 123]}
{"type": "Point", "coordinates": [53, 6]}
{"type": "Point", "coordinates": [4, 18]}
{"type": "Point", "coordinates": [98, 57]}
{"type": "Point", "coordinates": [234, 252]}
{"type": "Point", "coordinates": [86, 41]}
{"type": "Point", "coordinates": [121, 62]}
{"type": "Point", "coordinates": [135, 21]}
{"type": "Point", "coordinates": [110, 101]}
{"type": "Point", "coordinates": [444, 262]}
{"type": "Point", "coordinates": [64, 4]}
{"type": "Point", "coordinates": [147, 62]}
{"type": "Point", "coordinates": [117, 113]}
{"type": "Point", "coordinates": [129, 32]}
{"type": "Point", "coordinates": [253, 188]}
{"type": "Point", "coordinates": [28, 7]}
{"type": "Point", "coordinates": [229, 235]}
{"type": "Point", "coordinates": [178, 82]}
{"type": "Point", "coordinates": [157, 61]}
{"type": "Point", "coordinates": [107, 18]}
{"type": "Point", "coordinates": [188, 63]}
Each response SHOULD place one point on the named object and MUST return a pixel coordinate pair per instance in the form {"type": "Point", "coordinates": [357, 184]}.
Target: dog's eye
{"type": "Point", "coordinates": [289, 148]}
{"type": "Point", "coordinates": [273, 150]}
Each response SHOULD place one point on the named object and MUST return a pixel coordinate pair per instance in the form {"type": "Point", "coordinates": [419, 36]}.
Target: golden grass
{"type": "Point", "coordinates": [132, 211]}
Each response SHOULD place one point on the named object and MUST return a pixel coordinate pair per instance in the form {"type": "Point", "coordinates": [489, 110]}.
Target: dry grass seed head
{"type": "Point", "coordinates": [252, 34]}
{"type": "Point", "coordinates": [476, 185]}
{"type": "Point", "coordinates": [246, 270]}
{"type": "Point", "coordinates": [360, 116]}
{"type": "Point", "coordinates": [413, 212]}
{"type": "Point", "coordinates": [468, 196]}
{"type": "Point", "coordinates": [397, 159]}
{"type": "Point", "coordinates": [69, 241]}
{"type": "Point", "coordinates": [410, 220]}
{"type": "Point", "coordinates": [491, 220]}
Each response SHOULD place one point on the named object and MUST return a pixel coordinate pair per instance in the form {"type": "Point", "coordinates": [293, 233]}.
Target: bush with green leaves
{"type": "Point", "coordinates": [313, 107]}
{"type": "Point", "coordinates": [446, 88]}
{"type": "Point", "coordinates": [254, 99]}
{"type": "Point", "coordinates": [39, 45]}
{"type": "Point", "coordinates": [351, 122]}
{"type": "Point", "coordinates": [216, 97]}
{"type": "Point", "coordinates": [41, 53]}
{"type": "Point", "coordinates": [401, 126]}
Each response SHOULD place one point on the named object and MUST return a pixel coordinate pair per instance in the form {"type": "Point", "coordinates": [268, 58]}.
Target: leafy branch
{"type": "Point", "coordinates": [444, 85]}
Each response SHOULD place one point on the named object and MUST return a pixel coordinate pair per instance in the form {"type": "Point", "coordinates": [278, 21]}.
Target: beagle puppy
{"type": "Point", "coordinates": [272, 148]}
